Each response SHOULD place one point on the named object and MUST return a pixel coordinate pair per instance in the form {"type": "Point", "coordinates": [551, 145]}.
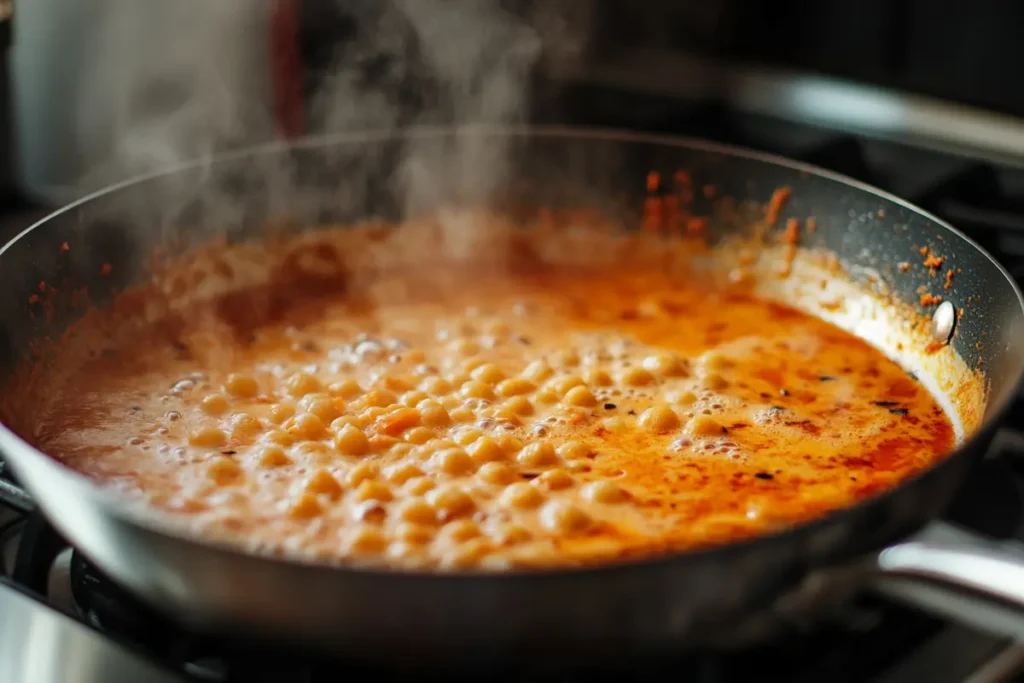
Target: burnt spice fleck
{"type": "Point", "coordinates": [632, 412]}
{"type": "Point", "coordinates": [826, 378]}
{"type": "Point", "coordinates": [886, 404]}
{"type": "Point", "coordinates": [228, 452]}
{"type": "Point", "coordinates": [764, 475]}
{"type": "Point", "coordinates": [783, 392]}
{"type": "Point", "coordinates": [609, 406]}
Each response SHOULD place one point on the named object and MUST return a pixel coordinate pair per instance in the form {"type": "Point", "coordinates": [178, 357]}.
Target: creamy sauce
{"type": "Point", "coordinates": [495, 420]}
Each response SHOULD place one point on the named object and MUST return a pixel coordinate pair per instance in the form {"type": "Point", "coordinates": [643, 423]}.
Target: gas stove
{"type": "Point", "coordinates": [62, 620]}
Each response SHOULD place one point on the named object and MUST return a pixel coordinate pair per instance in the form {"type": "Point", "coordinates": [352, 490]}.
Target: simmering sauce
{"type": "Point", "coordinates": [548, 417]}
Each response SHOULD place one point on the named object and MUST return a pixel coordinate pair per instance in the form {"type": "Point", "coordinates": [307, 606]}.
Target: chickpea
{"type": "Point", "coordinates": [402, 472]}
{"type": "Point", "coordinates": [537, 371]}
{"type": "Point", "coordinates": [367, 540]}
{"type": "Point", "coordinates": [433, 413]}
{"type": "Point", "coordinates": [704, 425]}
{"type": "Point", "coordinates": [398, 421]}
{"type": "Point", "coordinates": [463, 415]}
{"type": "Point", "coordinates": [242, 386]}
{"type": "Point", "coordinates": [476, 389]}
{"type": "Point", "coordinates": [325, 408]}
{"type": "Point", "coordinates": [417, 511]}
{"type": "Point", "coordinates": [370, 489]}
{"type": "Point", "coordinates": [436, 386]}
{"type": "Point", "coordinates": [379, 443]}
{"type": "Point", "coordinates": [519, 406]}
{"type": "Point", "coordinates": [279, 437]}
{"type": "Point", "coordinates": [461, 530]}
{"type": "Point", "coordinates": [565, 359]}
{"type": "Point", "coordinates": [464, 347]}
{"type": "Point", "coordinates": [399, 384]}
{"type": "Point", "coordinates": [496, 473]}
{"type": "Point", "coordinates": [510, 444]}
{"type": "Point", "coordinates": [365, 471]}
{"type": "Point", "coordinates": [580, 396]}
{"type": "Point", "coordinates": [560, 386]}
{"type": "Point", "coordinates": [301, 384]}
{"type": "Point", "coordinates": [715, 382]}
{"type": "Point", "coordinates": [682, 398]}
{"type": "Point", "coordinates": [413, 398]}
{"type": "Point", "coordinates": [562, 517]}
{"type": "Point", "coordinates": [665, 365]}
{"type": "Point", "coordinates": [281, 412]}
{"type": "Point", "coordinates": [636, 377]}
{"type": "Point", "coordinates": [597, 377]}
{"type": "Point", "coordinates": [546, 396]}
{"type": "Point", "coordinates": [555, 480]}
{"type": "Point", "coordinates": [420, 485]}
{"type": "Point", "coordinates": [607, 492]}
{"type": "Point", "coordinates": [214, 404]}
{"type": "Point", "coordinates": [306, 426]}
{"type": "Point", "coordinates": [273, 456]}
{"type": "Point", "coordinates": [379, 398]}
{"type": "Point", "coordinates": [713, 361]}
{"type": "Point", "coordinates": [208, 437]}
{"type": "Point", "coordinates": [351, 440]}
{"type": "Point", "coordinates": [450, 502]}
{"type": "Point", "coordinates": [416, 534]}
{"type": "Point", "coordinates": [467, 554]}
{"type": "Point", "coordinates": [659, 419]}
{"type": "Point", "coordinates": [512, 534]}
{"type": "Point", "coordinates": [306, 506]}
{"type": "Point", "coordinates": [323, 483]}
{"type": "Point", "coordinates": [419, 435]}
{"type": "Point", "coordinates": [521, 495]}
{"type": "Point", "coordinates": [346, 389]}
{"type": "Point", "coordinates": [485, 449]}
{"type": "Point", "coordinates": [573, 450]}
{"type": "Point", "coordinates": [466, 435]}
{"type": "Point", "coordinates": [223, 470]}
{"type": "Point", "coordinates": [488, 373]}
{"type": "Point", "coordinates": [515, 387]}
{"type": "Point", "coordinates": [453, 461]}
{"type": "Point", "coordinates": [537, 454]}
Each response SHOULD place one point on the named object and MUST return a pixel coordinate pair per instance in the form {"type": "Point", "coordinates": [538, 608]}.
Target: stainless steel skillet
{"type": "Point", "coordinates": [105, 241]}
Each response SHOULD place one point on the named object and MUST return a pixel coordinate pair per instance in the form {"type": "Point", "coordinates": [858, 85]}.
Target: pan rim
{"type": "Point", "coordinates": [148, 523]}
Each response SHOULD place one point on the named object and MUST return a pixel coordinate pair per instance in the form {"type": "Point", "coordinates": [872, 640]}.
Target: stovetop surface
{"type": "Point", "coordinates": [871, 639]}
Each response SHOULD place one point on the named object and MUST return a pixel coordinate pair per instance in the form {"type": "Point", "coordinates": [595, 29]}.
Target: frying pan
{"type": "Point", "coordinates": [104, 242]}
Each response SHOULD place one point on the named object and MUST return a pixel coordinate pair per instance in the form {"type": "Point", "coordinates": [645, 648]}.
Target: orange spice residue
{"type": "Point", "coordinates": [696, 225]}
{"type": "Point", "coordinates": [903, 266]}
{"type": "Point", "coordinates": [930, 300]}
{"type": "Point", "coordinates": [65, 246]}
{"type": "Point", "coordinates": [106, 269]}
{"type": "Point", "coordinates": [653, 181]}
{"type": "Point", "coordinates": [34, 299]}
{"type": "Point", "coordinates": [923, 251]}
{"type": "Point", "coordinates": [653, 215]}
{"type": "Point", "coordinates": [949, 280]}
{"type": "Point", "coordinates": [776, 204]}
{"type": "Point", "coordinates": [932, 262]}
{"type": "Point", "coordinates": [792, 233]}
{"type": "Point", "coordinates": [710, 191]}
{"type": "Point", "coordinates": [811, 223]}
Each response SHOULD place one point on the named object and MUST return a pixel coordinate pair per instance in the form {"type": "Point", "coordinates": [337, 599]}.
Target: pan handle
{"type": "Point", "coordinates": [977, 582]}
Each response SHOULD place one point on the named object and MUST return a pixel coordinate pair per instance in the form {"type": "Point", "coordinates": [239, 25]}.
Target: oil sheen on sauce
{"type": "Point", "coordinates": [542, 418]}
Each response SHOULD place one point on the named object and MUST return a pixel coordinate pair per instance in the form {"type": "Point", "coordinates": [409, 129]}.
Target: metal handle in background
{"type": "Point", "coordinates": [972, 580]}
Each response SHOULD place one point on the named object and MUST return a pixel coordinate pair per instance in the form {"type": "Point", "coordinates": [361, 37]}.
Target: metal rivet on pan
{"type": "Point", "coordinates": [943, 322]}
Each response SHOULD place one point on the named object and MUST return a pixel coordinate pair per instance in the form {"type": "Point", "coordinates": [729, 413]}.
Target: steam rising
{"type": "Point", "coordinates": [200, 85]}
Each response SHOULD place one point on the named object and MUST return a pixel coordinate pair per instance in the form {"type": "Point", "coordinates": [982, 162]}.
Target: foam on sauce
{"type": "Point", "coordinates": [495, 419]}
